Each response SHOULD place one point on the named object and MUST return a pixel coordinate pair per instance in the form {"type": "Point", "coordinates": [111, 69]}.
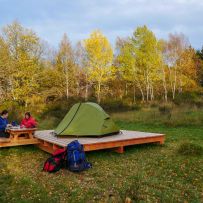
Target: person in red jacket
{"type": "Point", "coordinates": [28, 121]}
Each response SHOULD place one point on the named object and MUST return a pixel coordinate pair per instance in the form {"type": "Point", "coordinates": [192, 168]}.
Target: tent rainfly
{"type": "Point", "coordinates": [86, 119]}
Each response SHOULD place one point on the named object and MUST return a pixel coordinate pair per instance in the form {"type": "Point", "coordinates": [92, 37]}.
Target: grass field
{"type": "Point", "coordinates": [146, 173]}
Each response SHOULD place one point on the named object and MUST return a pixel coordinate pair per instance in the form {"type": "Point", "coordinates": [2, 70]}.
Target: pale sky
{"type": "Point", "coordinates": [78, 18]}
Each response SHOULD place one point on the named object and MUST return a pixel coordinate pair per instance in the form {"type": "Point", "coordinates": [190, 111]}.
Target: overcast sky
{"type": "Point", "coordinates": [51, 18]}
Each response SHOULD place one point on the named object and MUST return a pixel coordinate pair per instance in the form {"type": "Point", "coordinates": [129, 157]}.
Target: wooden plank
{"type": "Point", "coordinates": [19, 142]}
{"type": "Point", "coordinates": [46, 135]}
{"type": "Point", "coordinates": [119, 150]}
{"type": "Point", "coordinates": [22, 130]}
{"type": "Point", "coordinates": [47, 147]}
{"type": "Point", "coordinates": [2, 140]}
{"type": "Point", "coordinates": [128, 142]}
{"type": "Point", "coordinates": [21, 136]}
{"type": "Point", "coordinates": [48, 142]}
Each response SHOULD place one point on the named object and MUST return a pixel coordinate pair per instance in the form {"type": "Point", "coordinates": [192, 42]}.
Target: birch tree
{"type": "Point", "coordinates": [199, 65]}
{"type": "Point", "coordinates": [24, 50]}
{"type": "Point", "coordinates": [65, 64]}
{"type": "Point", "coordinates": [99, 60]}
{"type": "Point", "coordinates": [127, 65]}
{"type": "Point", "coordinates": [148, 58]}
{"type": "Point", "coordinates": [4, 68]}
{"type": "Point", "coordinates": [176, 44]}
{"type": "Point", "coordinates": [82, 74]}
{"type": "Point", "coordinates": [187, 70]}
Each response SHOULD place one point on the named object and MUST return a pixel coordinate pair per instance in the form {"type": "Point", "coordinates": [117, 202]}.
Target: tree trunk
{"type": "Point", "coordinates": [78, 88]}
{"type": "Point", "coordinates": [170, 79]}
{"type": "Point", "coordinates": [86, 88]}
{"type": "Point", "coordinates": [147, 89]}
{"type": "Point", "coordinates": [181, 86]}
{"type": "Point", "coordinates": [133, 93]}
{"type": "Point", "coordinates": [147, 85]}
{"type": "Point", "coordinates": [67, 83]}
{"type": "Point", "coordinates": [164, 85]}
{"type": "Point", "coordinates": [1, 93]}
{"type": "Point", "coordinates": [126, 89]}
{"type": "Point", "coordinates": [26, 104]}
{"type": "Point", "coordinates": [86, 92]}
{"type": "Point", "coordinates": [67, 92]}
{"type": "Point", "coordinates": [98, 92]}
{"type": "Point", "coordinates": [141, 91]}
{"type": "Point", "coordinates": [12, 88]}
{"type": "Point", "coordinates": [143, 97]}
{"type": "Point", "coordinates": [174, 83]}
{"type": "Point", "coordinates": [151, 92]}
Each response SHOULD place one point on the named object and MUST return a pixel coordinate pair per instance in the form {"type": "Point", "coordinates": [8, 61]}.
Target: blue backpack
{"type": "Point", "coordinates": [76, 160]}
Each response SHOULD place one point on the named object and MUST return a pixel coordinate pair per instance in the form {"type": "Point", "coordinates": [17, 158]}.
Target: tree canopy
{"type": "Point", "coordinates": [141, 67]}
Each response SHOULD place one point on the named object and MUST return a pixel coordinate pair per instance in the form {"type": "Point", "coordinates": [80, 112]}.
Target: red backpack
{"type": "Point", "coordinates": [55, 162]}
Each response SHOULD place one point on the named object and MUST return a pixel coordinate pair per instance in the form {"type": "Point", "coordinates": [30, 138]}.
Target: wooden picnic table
{"type": "Point", "coordinates": [19, 136]}
{"type": "Point", "coordinates": [19, 133]}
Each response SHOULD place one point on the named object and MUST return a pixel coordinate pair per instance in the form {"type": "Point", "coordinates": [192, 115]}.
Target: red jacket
{"type": "Point", "coordinates": [29, 123]}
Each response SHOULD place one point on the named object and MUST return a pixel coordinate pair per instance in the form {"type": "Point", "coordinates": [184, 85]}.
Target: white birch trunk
{"type": "Point", "coordinates": [174, 83]}
{"type": "Point", "coordinates": [98, 92]}
{"type": "Point", "coordinates": [165, 85]}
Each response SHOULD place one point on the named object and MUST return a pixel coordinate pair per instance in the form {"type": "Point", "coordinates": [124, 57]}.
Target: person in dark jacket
{"type": "Point", "coordinates": [3, 124]}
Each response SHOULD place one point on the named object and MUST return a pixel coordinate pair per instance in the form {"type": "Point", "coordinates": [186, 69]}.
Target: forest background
{"type": "Point", "coordinates": [138, 71]}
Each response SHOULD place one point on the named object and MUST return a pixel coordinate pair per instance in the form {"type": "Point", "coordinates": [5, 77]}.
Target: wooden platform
{"type": "Point", "coordinates": [18, 137]}
{"type": "Point", "coordinates": [49, 143]}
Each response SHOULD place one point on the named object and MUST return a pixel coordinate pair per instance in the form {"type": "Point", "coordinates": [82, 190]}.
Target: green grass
{"type": "Point", "coordinates": [177, 116]}
{"type": "Point", "coordinates": [145, 173]}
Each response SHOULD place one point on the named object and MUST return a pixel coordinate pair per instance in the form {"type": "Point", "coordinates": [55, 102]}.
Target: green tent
{"type": "Point", "coordinates": [86, 119]}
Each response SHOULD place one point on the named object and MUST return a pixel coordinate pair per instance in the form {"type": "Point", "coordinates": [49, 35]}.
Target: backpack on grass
{"type": "Point", "coordinates": [56, 161]}
{"type": "Point", "coordinates": [76, 160]}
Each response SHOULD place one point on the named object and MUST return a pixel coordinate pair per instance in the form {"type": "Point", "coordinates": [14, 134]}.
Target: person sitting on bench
{"type": "Point", "coordinates": [28, 121]}
{"type": "Point", "coordinates": [4, 124]}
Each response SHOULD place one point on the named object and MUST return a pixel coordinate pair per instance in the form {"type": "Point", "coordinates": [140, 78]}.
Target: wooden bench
{"type": "Point", "coordinates": [22, 136]}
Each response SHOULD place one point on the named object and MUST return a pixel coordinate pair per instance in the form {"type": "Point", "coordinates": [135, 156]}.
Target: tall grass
{"type": "Point", "coordinates": [174, 117]}
{"type": "Point", "coordinates": [190, 149]}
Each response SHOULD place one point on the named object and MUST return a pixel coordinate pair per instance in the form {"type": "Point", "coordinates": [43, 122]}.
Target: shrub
{"type": "Point", "coordinates": [199, 103]}
{"type": "Point", "coordinates": [165, 109]}
{"type": "Point", "coordinates": [114, 105]}
{"type": "Point", "coordinates": [136, 107]}
{"type": "Point", "coordinates": [187, 98]}
{"type": "Point", "coordinates": [190, 149]}
{"type": "Point", "coordinates": [58, 109]}
{"type": "Point", "coordinates": [154, 105]}
{"type": "Point", "coordinates": [16, 111]}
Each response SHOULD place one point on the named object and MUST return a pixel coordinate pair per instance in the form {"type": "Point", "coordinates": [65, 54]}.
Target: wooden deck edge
{"type": "Point", "coordinates": [47, 146]}
{"type": "Point", "coordinates": [19, 143]}
{"type": "Point", "coordinates": [3, 140]}
{"type": "Point", "coordinates": [123, 143]}
{"type": "Point", "coordinates": [118, 146]}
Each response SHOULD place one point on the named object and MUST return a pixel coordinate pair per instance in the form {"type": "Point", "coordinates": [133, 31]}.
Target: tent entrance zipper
{"type": "Point", "coordinates": [71, 119]}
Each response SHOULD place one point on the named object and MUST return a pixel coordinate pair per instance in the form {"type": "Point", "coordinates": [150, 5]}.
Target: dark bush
{"type": "Point", "coordinates": [58, 109]}
{"type": "Point", "coordinates": [114, 105]}
{"type": "Point", "coordinates": [186, 98]}
{"type": "Point", "coordinates": [165, 109]}
{"type": "Point", "coordinates": [154, 105]}
{"type": "Point", "coordinates": [199, 103]}
{"type": "Point", "coordinates": [136, 107]}
{"type": "Point", "coordinates": [190, 149]}
{"type": "Point", "coordinates": [16, 111]}
{"type": "Point", "coordinates": [119, 105]}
